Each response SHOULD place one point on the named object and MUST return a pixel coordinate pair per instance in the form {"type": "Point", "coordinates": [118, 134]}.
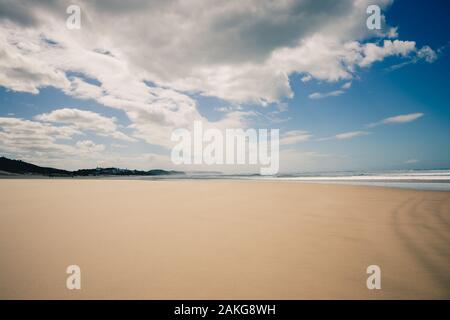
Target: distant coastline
{"type": "Point", "coordinates": [11, 168]}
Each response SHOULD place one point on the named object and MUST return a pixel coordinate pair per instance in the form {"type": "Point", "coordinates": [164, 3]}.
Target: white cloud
{"type": "Point", "coordinates": [372, 52]}
{"type": "Point", "coordinates": [423, 54]}
{"type": "Point", "coordinates": [49, 145]}
{"type": "Point", "coordinates": [26, 138]}
{"type": "Point", "coordinates": [154, 111]}
{"type": "Point", "coordinates": [347, 85]}
{"type": "Point", "coordinates": [19, 126]}
{"type": "Point", "coordinates": [89, 146]}
{"type": "Point", "coordinates": [85, 120]}
{"type": "Point", "coordinates": [306, 78]}
{"type": "Point", "coordinates": [404, 118]}
{"type": "Point", "coordinates": [335, 93]}
{"type": "Point", "coordinates": [20, 71]}
{"type": "Point", "coordinates": [319, 95]}
{"type": "Point", "coordinates": [238, 51]}
{"type": "Point", "coordinates": [294, 136]}
{"type": "Point", "coordinates": [392, 33]}
{"type": "Point", "coordinates": [428, 54]}
{"type": "Point", "coordinates": [346, 135]}
{"type": "Point", "coordinates": [350, 135]}
{"type": "Point", "coordinates": [84, 90]}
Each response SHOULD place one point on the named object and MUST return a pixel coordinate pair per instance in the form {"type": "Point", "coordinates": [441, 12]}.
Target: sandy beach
{"type": "Point", "coordinates": [221, 240]}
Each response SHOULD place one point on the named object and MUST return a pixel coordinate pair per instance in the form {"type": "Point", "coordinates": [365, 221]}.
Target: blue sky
{"type": "Point", "coordinates": [127, 103]}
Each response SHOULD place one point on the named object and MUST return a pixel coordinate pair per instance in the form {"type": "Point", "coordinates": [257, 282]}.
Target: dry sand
{"type": "Point", "coordinates": [221, 240]}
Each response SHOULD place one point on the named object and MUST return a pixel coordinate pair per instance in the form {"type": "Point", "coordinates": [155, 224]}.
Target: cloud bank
{"type": "Point", "coordinates": [150, 59]}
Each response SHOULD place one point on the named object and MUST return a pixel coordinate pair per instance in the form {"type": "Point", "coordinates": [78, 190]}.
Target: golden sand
{"type": "Point", "coordinates": [221, 240]}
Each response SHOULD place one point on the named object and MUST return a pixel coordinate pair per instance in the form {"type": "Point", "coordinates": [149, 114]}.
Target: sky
{"type": "Point", "coordinates": [344, 97]}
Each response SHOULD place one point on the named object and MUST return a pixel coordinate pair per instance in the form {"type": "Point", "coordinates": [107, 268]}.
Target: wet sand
{"type": "Point", "coordinates": [221, 240]}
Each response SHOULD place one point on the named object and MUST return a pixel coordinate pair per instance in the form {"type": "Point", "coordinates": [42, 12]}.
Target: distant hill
{"type": "Point", "coordinates": [9, 166]}
{"type": "Point", "coordinates": [122, 172]}
{"type": "Point", "coordinates": [22, 167]}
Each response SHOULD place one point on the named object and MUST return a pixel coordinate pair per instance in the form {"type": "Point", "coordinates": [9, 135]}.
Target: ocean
{"type": "Point", "coordinates": [438, 180]}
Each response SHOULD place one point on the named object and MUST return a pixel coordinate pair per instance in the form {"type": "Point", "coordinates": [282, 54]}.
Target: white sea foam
{"type": "Point", "coordinates": [421, 180]}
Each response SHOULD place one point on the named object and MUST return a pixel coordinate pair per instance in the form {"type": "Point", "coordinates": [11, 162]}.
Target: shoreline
{"type": "Point", "coordinates": [441, 185]}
